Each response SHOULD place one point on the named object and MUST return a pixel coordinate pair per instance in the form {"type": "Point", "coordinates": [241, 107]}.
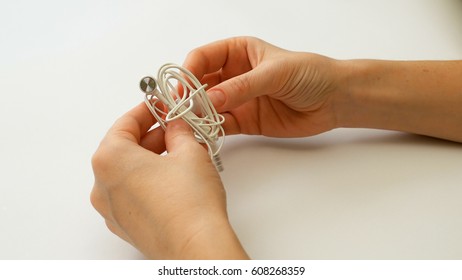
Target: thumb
{"type": "Point", "coordinates": [240, 89]}
{"type": "Point", "coordinates": [179, 137]}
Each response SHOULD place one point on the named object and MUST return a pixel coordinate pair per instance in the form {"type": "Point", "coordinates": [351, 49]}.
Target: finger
{"type": "Point", "coordinates": [236, 91]}
{"type": "Point", "coordinates": [154, 140]}
{"type": "Point", "coordinates": [179, 137]}
{"type": "Point", "coordinates": [134, 124]}
{"type": "Point", "coordinates": [230, 55]}
{"type": "Point", "coordinates": [207, 59]}
{"type": "Point", "coordinates": [231, 125]}
{"type": "Point", "coordinates": [212, 79]}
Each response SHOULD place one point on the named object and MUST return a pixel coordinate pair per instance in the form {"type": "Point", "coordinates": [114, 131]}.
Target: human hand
{"type": "Point", "coordinates": [171, 206]}
{"type": "Point", "coordinates": [262, 89]}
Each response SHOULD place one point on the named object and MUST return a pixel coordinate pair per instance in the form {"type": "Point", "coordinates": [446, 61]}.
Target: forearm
{"type": "Point", "coordinates": [422, 97]}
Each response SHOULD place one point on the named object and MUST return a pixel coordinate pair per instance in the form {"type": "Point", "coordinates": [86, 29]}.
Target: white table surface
{"type": "Point", "coordinates": [68, 69]}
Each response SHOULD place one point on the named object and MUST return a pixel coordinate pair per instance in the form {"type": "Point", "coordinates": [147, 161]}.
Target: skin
{"type": "Point", "coordinates": [174, 206]}
{"type": "Point", "coordinates": [166, 206]}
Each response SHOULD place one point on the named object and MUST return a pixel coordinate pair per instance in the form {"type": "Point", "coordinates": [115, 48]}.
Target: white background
{"type": "Point", "coordinates": [68, 69]}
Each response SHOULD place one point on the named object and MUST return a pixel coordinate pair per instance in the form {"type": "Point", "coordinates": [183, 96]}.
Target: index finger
{"type": "Point", "coordinates": [134, 124]}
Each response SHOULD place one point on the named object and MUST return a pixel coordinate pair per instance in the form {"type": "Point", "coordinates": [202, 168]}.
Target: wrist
{"type": "Point", "coordinates": [216, 240]}
{"type": "Point", "coordinates": [370, 95]}
{"type": "Point", "coordinates": [195, 237]}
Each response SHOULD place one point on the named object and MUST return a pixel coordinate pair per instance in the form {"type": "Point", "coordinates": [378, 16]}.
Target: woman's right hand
{"type": "Point", "coordinates": [264, 90]}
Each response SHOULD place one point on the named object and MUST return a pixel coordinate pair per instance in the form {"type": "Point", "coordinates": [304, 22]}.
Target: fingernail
{"type": "Point", "coordinates": [217, 97]}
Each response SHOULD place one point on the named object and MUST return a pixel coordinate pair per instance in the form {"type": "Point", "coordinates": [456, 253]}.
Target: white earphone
{"type": "Point", "coordinates": [185, 97]}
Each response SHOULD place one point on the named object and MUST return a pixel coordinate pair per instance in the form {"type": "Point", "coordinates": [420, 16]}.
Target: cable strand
{"type": "Point", "coordinates": [192, 104]}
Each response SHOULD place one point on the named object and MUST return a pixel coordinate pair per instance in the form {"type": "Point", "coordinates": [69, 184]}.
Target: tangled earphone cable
{"type": "Point", "coordinates": [183, 96]}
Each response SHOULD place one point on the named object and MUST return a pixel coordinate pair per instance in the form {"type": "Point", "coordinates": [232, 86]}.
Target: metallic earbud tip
{"type": "Point", "coordinates": [148, 84]}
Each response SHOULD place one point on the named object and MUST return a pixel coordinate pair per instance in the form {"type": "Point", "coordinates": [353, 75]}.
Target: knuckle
{"type": "Point", "coordinates": [97, 160]}
{"type": "Point", "coordinates": [193, 53]}
{"type": "Point", "coordinates": [101, 160]}
{"type": "Point", "coordinates": [96, 198]}
{"type": "Point", "coordinates": [100, 202]}
{"type": "Point", "coordinates": [195, 56]}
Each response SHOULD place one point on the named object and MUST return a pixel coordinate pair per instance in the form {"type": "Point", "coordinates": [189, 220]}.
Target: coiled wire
{"type": "Point", "coordinates": [183, 96]}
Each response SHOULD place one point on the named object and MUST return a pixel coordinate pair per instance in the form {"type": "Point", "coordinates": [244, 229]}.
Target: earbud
{"type": "Point", "coordinates": [185, 97]}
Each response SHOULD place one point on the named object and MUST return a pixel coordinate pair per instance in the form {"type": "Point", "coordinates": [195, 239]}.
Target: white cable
{"type": "Point", "coordinates": [192, 104]}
